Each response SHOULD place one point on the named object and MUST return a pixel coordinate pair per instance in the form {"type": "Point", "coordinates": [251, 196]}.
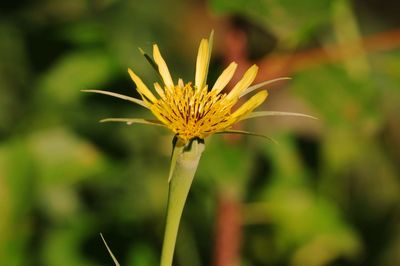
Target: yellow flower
{"type": "Point", "coordinates": [193, 110]}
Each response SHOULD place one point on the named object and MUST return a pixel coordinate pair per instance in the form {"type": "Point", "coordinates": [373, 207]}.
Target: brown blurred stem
{"type": "Point", "coordinates": [228, 231]}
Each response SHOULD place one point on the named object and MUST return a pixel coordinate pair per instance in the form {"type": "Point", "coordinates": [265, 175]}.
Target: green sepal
{"type": "Point", "coordinates": [248, 133]}
{"type": "Point", "coordinates": [130, 121]}
{"type": "Point", "coordinates": [260, 85]}
{"type": "Point", "coordinates": [177, 148]}
{"type": "Point", "coordinates": [274, 113]}
{"type": "Point", "coordinates": [120, 96]}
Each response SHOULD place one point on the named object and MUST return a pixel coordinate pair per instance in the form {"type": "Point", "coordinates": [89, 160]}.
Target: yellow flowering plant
{"type": "Point", "coordinates": [192, 111]}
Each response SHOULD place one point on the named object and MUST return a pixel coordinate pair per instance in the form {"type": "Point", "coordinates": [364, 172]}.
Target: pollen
{"type": "Point", "coordinates": [190, 112]}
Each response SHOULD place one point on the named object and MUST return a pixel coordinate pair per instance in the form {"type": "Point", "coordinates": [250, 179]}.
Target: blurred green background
{"type": "Point", "coordinates": [327, 194]}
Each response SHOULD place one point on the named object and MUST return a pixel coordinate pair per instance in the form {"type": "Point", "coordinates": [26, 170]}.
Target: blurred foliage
{"type": "Point", "coordinates": [294, 22]}
{"type": "Point", "coordinates": [327, 194]}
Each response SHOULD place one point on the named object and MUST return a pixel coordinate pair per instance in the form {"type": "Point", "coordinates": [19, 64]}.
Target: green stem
{"type": "Point", "coordinates": [184, 164]}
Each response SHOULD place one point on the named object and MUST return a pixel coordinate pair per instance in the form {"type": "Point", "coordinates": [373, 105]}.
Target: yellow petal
{"type": "Point", "coordinates": [244, 83]}
{"type": "Point", "coordinates": [162, 67]}
{"type": "Point", "coordinates": [141, 87]}
{"type": "Point", "coordinates": [202, 62]}
{"type": "Point", "coordinates": [158, 115]}
{"type": "Point", "coordinates": [180, 83]}
{"type": "Point", "coordinates": [250, 105]}
{"type": "Point", "coordinates": [225, 77]}
{"type": "Point", "coordinates": [159, 90]}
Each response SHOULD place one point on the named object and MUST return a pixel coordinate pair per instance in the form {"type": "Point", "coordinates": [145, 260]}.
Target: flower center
{"type": "Point", "coordinates": [192, 112]}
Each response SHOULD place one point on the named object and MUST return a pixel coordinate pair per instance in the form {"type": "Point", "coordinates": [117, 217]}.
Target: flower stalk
{"type": "Point", "coordinates": [184, 162]}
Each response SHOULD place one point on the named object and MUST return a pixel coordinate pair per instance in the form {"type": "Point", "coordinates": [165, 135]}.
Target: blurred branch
{"type": "Point", "coordinates": [285, 64]}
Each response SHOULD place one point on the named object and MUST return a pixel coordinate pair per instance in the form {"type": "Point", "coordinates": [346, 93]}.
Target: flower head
{"type": "Point", "coordinates": [193, 110]}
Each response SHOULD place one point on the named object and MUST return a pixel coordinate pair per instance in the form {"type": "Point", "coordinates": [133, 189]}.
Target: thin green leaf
{"type": "Point", "coordinates": [109, 251]}
{"type": "Point", "coordinates": [130, 121]}
{"type": "Point", "coordinates": [248, 133]}
{"type": "Point", "coordinates": [210, 47]}
{"type": "Point", "coordinates": [275, 113]}
{"type": "Point", "coordinates": [120, 96]}
{"type": "Point", "coordinates": [210, 42]}
{"type": "Point", "coordinates": [262, 84]}
{"type": "Point", "coordinates": [151, 61]}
